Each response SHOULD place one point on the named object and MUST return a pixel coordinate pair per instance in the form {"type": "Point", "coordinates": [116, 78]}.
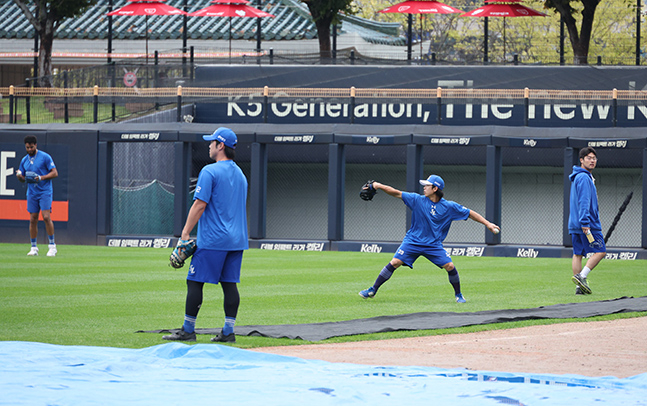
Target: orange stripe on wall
{"type": "Point", "coordinates": [17, 210]}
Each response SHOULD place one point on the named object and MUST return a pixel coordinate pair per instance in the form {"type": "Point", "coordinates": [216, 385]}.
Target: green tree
{"type": "Point", "coordinates": [46, 16]}
{"type": "Point", "coordinates": [580, 39]}
{"type": "Point", "coordinates": [325, 13]}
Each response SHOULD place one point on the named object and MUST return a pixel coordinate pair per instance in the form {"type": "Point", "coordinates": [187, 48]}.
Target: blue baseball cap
{"type": "Point", "coordinates": [224, 135]}
{"type": "Point", "coordinates": [433, 180]}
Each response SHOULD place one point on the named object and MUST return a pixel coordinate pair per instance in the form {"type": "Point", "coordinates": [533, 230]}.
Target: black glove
{"type": "Point", "coordinates": [368, 191]}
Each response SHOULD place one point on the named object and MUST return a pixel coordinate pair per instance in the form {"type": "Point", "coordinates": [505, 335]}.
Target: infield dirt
{"type": "Point", "coordinates": [602, 348]}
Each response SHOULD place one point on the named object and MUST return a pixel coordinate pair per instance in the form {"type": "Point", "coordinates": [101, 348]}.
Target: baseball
{"type": "Point", "coordinates": [18, 173]}
{"type": "Point", "coordinates": [496, 231]}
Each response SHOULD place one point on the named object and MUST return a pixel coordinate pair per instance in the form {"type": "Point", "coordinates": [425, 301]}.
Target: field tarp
{"type": "Point", "coordinates": [206, 374]}
{"type": "Point", "coordinates": [433, 320]}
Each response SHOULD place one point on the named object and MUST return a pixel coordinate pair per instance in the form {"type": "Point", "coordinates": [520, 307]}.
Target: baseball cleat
{"type": "Point", "coordinates": [581, 282]}
{"type": "Point", "coordinates": [33, 252]}
{"type": "Point", "coordinates": [52, 250]}
{"type": "Point", "coordinates": [460, 298]}
{"type": "Point", "coordinates": [367, 293]}
{"type": "Point", "coordinates": [221, 338]}
{"type": "Point", "coordinates": [180, 335]}
{"type": "Point", "coordinates": [578, 291]}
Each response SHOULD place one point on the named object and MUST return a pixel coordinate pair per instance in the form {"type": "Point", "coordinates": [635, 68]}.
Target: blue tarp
{"type": "Point", "coordinates": [209, 374]}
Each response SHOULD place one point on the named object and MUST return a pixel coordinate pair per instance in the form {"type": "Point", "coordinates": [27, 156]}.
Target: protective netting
{"type": "Point", "coordinates": [143, 210]}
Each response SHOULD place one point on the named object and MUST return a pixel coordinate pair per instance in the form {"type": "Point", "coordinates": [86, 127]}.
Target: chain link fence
{"type": "Point", "coordinates": [297, 192]}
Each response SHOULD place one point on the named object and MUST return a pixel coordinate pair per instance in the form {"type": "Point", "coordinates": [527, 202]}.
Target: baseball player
{"type": "Point", "coordinates": [584, 220]}
{"type": "Point", "coordinates": [38, 169]}
{"type": "Point", "coordinates": [219, 210]}
{"type": "Point", "coordinates": [431, 218]}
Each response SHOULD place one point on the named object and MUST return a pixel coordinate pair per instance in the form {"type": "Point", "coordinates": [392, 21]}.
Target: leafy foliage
{"type": "Point", "coordinates": [46, 16]}
{"type": "Point", "coordinates": [456, 39]}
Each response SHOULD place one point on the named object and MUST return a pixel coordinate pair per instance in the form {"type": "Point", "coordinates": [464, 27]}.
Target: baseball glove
{"type": "Point", "coordinates": [368, 191]}
{"type": "Point", "coordinates": [32, 177]}
{"type": "Point", "coordinates": [182, 252]}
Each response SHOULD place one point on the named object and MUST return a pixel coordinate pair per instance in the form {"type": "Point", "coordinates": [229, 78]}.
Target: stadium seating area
{"type": "Point", "coordinates": [292, 21]}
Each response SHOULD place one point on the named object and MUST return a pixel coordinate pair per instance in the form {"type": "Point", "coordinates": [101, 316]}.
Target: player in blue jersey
{"type": "Point", "coordinates": [584, 220]}
{"type": "Point", "coordinates": [431, 218]}
{"type": "Point", "coordinates": [37, 168]}
{"type": "Point", "coordinates": [219, 210]}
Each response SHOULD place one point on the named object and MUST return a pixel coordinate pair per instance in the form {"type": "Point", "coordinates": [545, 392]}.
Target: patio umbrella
{"type": "Point", "coordinates": [230, 8]}
{"type": "Point", "coordinates": [146, 8]}
{"type": "Point", "coordinates": [419, 7]}
{"type": "Point", "coordinates": [503, 8]}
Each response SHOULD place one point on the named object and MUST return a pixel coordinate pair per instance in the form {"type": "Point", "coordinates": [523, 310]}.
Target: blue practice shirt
{"type": "Point", "coordinates": [430, 221]}
{"type": "Point", "coordinates": [223, 225]}
{"type": "Point", "coordinates": [41, 164]}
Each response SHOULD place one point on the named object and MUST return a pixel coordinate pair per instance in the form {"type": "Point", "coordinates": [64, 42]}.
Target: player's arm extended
{"type": "Point", "coordinates": [490, 226]}
{"type": "Point", "coordinates": [388, 189]}
{"type": "Point", "coordinates": [192, 219]}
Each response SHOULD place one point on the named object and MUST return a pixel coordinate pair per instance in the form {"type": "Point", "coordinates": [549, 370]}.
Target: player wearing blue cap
{"type": "Point", "coordinates": [219, 210]}
{"type": "Point", "coordinates": [38, 169]}
{"type": "Point", "coordinates": [431, 217]}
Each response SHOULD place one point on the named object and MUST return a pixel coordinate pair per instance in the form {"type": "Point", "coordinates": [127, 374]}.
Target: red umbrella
{"type": "Point", "coordinates": [503, 8]}
{"type": "Point", "coordinates": [233, 8]}
{"type": "Point", "coordinates": [419, 7]}
{"type": "Point", "coordinates": [146, 8]}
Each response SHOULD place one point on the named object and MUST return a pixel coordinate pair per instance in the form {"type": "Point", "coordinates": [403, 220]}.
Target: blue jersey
{"type": "Point", "coordinates": [41, 164]}
{"type": "Point", "coordinates": [584, 211]}
{"type": "Point", "coordinates": [223, 225]}
{"type": "Point", "coordinates": [430, 221]}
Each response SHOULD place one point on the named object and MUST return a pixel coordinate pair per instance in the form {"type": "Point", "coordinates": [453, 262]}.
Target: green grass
{"type": "Point", "coordinates": [90, 295]}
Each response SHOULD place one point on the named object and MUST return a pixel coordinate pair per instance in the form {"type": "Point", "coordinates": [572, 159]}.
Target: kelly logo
{"type": "Point", "coordinates": [527, 253]}
{"type": "Point", "coordinates": [372, 248]}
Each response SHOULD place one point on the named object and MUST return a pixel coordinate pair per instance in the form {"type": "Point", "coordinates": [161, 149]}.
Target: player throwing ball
{"type": "Point", "coordinates": [431, 218]}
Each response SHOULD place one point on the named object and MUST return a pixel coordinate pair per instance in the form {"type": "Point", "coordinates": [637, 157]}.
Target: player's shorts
{"type": "Point", "coordinates": [38, 203]}
{"type": "Point", "coordinates": [212, 266]}
{"type": "Point", "coordinates": [582, 246]}
{"type": "Point", "coordinates": [408, 253]}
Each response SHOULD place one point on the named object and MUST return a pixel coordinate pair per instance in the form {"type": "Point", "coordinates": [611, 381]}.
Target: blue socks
{"type": "Point", "coordinates": [385, 275]}
{"type": "Point", "coordinates": [51, 239]}
{"type": "Point", "coordinates": [455, 280]}
{"type": "Point", "coordinates": [33, 242]}
{"type": "Point", "coordinates": [189, 324]}
{"type": "Point", "coordinates": [229, 326]}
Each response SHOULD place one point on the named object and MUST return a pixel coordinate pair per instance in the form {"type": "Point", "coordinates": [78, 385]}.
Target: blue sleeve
{"type": "Point", "coordinates": [49, 162]}
{"type": "Point", "coordinates": [583, 200]}
{"type": "Point", "coordinates": [409, 199]}
{"type": "Point", "coordinates": [22, 166]}
{"type": "Point", "coordinates": [460, 212]}
{"type": "Point", "coordinates": [204, 186]}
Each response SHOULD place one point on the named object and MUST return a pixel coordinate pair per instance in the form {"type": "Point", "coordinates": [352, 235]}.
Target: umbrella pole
{"type": "Point", "coordinates": [504, 58]}
{"type": "Point", "coordinates": [146, 40]}
{"type": "Point", "coordinates": [421, 37]}
{"type": "Point", "coordinates": [230, 40]}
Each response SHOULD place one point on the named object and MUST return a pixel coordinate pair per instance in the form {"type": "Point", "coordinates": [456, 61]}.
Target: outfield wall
{"type": "Point", "coordinates": [130, 184]}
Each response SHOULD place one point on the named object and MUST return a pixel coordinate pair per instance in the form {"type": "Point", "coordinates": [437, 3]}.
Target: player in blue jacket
{"type": "Point", "coordinates": [431, 217]}
{"type": "Point", "coordinates": [37, 168]}
{"type": "Point", "coordinates": [584, 220]}
{"type": "Point", "coordinates": [219, 210]}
